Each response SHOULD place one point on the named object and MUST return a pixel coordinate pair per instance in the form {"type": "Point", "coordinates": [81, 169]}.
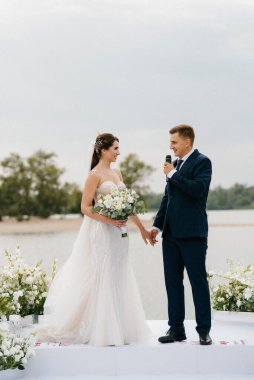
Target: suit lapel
{"type": "Point", "coordinates": [189, 160]}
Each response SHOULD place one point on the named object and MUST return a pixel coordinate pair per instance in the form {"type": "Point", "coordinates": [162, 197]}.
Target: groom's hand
{"type": "Point", "coordinates": [168, 167]}
{"type": "Point", "coordinates": [153, 236]}
{"type": "Point", "coordinates": [146, 236]}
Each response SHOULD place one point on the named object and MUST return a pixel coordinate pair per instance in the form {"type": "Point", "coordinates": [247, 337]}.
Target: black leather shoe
{"type": "Point", "coordinates": [172, 336]}
{"type": "Point", "coordinates": [205, 339]}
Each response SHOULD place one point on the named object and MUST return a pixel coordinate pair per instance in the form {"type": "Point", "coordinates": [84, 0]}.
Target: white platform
{"type": "Point", "coordinates": [232, 355]}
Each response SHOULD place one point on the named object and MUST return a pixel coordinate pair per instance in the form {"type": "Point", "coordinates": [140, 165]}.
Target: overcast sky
{"type": "Point", "coordinates": [71, 69]}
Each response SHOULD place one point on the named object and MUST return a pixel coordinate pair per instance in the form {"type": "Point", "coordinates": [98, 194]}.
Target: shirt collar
{"type": "Point", "coordinates": [187, 155]}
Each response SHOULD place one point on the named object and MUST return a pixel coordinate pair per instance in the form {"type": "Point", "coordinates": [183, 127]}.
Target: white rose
{"type": "Point", "coordinates": [238, 303]}
{"type": "Point", "coordinates": [108, 203]}
{"type": "Point", "coordinates": [118, 206]}
{"type": "Point", "coordinates": [16, 296]}
{"type": "Point", "coordinates": [247, 293]}
{"type": "Point", "coordinates": [29, 280]}
{"type": "Point", "coordinates": [3, 347]}
{"type": "Point", "coordinates": [12, 351]}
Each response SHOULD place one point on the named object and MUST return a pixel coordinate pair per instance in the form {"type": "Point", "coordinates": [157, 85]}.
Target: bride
{"type": "Point", "coordinates": [94, 297]}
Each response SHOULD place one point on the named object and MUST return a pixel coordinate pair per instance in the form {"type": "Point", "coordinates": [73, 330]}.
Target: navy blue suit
{"type": "Point", "coordinates": [183, 221]}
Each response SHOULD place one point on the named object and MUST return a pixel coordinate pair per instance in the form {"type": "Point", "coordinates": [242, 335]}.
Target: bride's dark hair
{"type": "Point", "coordinates": [103, 141]}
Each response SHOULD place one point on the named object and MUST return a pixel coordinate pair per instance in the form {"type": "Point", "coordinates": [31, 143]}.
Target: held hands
{"type": "Point", "coordinates": [117, 223]}
{"type": "Point", "coordinates": [146, 236]}
{"type": "Point", "coordinates": [153, 236]}
{"type": "Point", "coordinates": [149, 236]}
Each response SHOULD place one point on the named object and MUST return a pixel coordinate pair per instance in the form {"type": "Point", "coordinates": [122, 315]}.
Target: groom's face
{"type": "Point", "coordinates": [180, 145]}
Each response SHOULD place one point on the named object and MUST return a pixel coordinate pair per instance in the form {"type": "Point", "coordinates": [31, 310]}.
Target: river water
{"type": "Point", "coordinates": [231, 235]}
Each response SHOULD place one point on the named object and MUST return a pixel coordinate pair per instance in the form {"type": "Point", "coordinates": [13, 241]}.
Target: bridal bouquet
{"type": "Point", "coordinates": [233, 290]}
{"type": "Point", "coordinates": [15, 349]}
{"type": "Point", "coordinates": [119, 204]}
{"type": "Point", "coordinates": [23, 288]}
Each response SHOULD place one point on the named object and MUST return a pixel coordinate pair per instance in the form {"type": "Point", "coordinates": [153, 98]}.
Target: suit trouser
{"type": "Point", "coordinates": [191, 254]}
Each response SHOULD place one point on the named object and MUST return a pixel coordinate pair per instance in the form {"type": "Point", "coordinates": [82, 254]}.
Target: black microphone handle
{"type": "Point", "coordinates": [168, 158]}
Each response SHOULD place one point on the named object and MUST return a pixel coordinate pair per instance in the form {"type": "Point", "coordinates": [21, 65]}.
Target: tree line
{"type": "Point", "coordinates": [236, 197]}
{"type": "Point", "coordinates": [32, 187]}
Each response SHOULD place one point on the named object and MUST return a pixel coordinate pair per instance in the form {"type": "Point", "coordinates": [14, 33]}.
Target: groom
{"type": "Point", "coordinates": [183, 221]}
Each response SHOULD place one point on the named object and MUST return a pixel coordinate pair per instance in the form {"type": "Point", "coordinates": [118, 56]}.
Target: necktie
{"type": "Point", "coordinates": [178, 164]}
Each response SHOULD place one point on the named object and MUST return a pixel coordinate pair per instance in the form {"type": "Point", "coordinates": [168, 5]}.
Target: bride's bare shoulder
{"type": "Point", "coordinates": [93, 177]}
{"type": "Point", "coordinates": [118, 172]}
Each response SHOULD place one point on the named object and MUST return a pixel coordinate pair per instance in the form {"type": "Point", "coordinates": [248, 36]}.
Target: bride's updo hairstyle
{"type": "Point", "coordinates": [103, 141]}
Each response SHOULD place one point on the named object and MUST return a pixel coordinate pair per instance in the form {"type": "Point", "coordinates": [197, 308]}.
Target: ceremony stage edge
{"type": "Point", "coordinates": [231, 354]}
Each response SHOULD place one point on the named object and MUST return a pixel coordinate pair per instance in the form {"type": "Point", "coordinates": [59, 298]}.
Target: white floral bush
{"type": "Point", "coordinates": [234, 289]}
{"type": "Point", "coordinates": [15, 349]}
{"type": "Point", "coordinates": [23, 288]}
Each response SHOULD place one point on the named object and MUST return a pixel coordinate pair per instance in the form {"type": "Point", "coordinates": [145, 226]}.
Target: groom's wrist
{"type": "Point", "coordinates": [156, 228]}
{"type": "Point", "coordinates": [171, 173]}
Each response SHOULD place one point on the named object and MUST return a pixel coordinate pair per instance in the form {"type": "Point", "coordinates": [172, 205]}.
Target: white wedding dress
{"type": "Point", "coordinates": [94, 297]}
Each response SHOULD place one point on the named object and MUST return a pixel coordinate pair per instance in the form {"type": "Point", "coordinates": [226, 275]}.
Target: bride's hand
{"type": "Point", "coordinates": [117, 223]}
{"type": "Point", "coordinates": [146, 236]}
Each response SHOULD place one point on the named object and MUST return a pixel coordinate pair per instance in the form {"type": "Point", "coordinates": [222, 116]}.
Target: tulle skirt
{"type": "Point", "coordinates": [94, 297]}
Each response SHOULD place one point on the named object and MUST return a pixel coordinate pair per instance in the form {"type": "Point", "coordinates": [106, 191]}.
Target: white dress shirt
{"type": "Point", "coordinates": [172, 172]}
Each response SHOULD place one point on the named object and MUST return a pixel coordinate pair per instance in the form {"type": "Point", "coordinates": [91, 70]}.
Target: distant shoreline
{"type": "Point", "coordinates": [37, 225]}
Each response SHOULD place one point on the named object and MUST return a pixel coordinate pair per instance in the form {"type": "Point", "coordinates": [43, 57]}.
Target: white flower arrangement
{"type": "Point", "coordinates": [23, 288]}
{"type": "Point", "coordinates": [15, 349]}
{"type": "Point", "coordinates": [236, 291]}
{"type": "Point", "coordinates": [119, 204]}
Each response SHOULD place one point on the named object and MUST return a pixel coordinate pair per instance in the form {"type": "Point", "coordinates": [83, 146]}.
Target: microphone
{"type": "Point", "coordinates": [169, 160]}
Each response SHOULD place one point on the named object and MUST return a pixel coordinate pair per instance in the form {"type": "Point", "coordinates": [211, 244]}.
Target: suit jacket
{"type": "Point", "coordinates": [183, 206]}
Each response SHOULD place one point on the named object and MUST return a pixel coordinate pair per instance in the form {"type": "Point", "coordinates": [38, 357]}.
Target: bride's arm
{"type": "Point", "coordinates": [146, 236]}
{"type": "Point", "coordinates": [90, 187]}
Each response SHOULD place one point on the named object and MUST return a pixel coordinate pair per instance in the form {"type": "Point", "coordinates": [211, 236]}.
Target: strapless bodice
{"type": "Point", "coordinates": [106, 187]}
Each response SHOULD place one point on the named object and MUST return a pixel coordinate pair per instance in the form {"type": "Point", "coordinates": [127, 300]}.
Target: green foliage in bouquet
{"type": "Point", "coordinates": [119, 204]}
{"type": "Point", "coordinates": [234, 289]}
{"type": "Point", "coordinates": [15, 349]}
{"type": "Point", "coordinates": [23, 288]}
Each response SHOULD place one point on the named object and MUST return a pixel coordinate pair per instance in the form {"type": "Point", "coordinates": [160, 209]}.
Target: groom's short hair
{"type": "Point", "coordinates": [184, 130]}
